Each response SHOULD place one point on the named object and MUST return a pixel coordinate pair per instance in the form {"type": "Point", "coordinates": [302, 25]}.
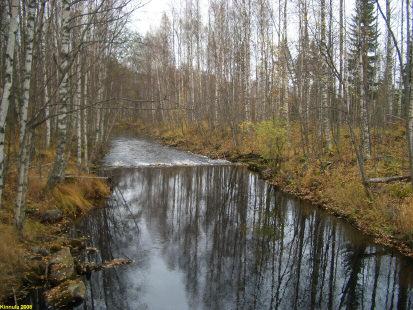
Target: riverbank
{"type": "Point", "coordinates": [330, 181]}
{"type": "Point", "coordinates": [25, 261]}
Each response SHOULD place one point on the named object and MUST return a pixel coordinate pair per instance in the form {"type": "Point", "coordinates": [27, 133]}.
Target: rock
{"type": "Point", "coordinates": [91, 250]}
{"type": "Point", "coordinates": [61, 266]}
{"type": "Point", "coordinates": [39, 267]}
{"type": "Point", "coordinates": [77, 244]}
{"type": "Point", "coordinates": [70, 293]}
{"type": "Point", "coordinates": [52, 216]}
{"type": "Point", "coordinates": [40, 251]}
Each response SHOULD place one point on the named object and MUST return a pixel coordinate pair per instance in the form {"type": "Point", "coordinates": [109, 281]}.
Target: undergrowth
{"type": "Point", "coordinates": [74, 197]}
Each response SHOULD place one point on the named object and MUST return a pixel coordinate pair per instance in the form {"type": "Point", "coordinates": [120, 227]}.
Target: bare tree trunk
{"type": "Point", "coordinates": [389, 63]}
{"type": "Point", "coordinates": [25, 134]}
{"type": "Point", "coordinates": [284, 78]}
{"type": "Point", "coordinates": [28, 59]}
{"type": "Point", "coordinates": [46, 108]}
{"type": "Point", "coordinates": [79, 115]}
{"type": "Point", "coordinates": [408, 91]}
{"type": "Point", "coordinates": [365, 133]}
{"type": "Point", "coordinates": [84, 124]}
{"type": "Point", "coordinates": [24, 163]}
{"type": "Point", "coordinates": [57, 172]}
{"type": "Point", "coordinates": [98, 119]}
{"type": "Point", "coordinates": [401, 73]}
{"type": "Point", "coordinates": [325, 109]}
{"type": "Point", "coordinates": [158, 83]}
{"type": "Point", "coordinates": [5, 99]}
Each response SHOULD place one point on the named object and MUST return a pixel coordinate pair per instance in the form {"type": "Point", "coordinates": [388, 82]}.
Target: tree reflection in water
{"type": "Point", "coordinates": [217, 237]}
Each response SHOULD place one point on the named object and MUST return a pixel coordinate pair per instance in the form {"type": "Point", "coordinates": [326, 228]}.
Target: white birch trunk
{"type": "Point", "coordinates": [389, 63]}
{"type": "Point", "coordinates": [284, 83]}
{"type": "Point", "coordinates": [285, 110]}
{"type": "Point", "coordinates": [5, 99]}
{"type": "Point", "coordinates": [46, 108]}
{"type": "Point", "coordinates": [364, 112]}
{"type": "Point", "coordinates": [78, 117]}
{"type": "Point", "coordinates": [57, 172]}
{"type": "Point", "coordinates": [99, 112]}
{"type": "Point", "coordinates": [84, 124]}
{"type": "Point", "coordinates": [410, 127]}
{"type": "Point", "coordinates": [27, 69]}
{"type": "Point", "coordinates": [25, 136]}
{"type": "Point", "coordinates": [401, 80]}
{"type": "Point", "coordinates": [48, 126]}
{"type": "Point", "coordinates": [410, 106]}
{"type": "Point", "coordinates": [325, 112]}
{"type": "Point", "coordinates": [216, 100]}
{"type": "Point", "coordinates": [98, 119]}
{"type": "Point", "coordinates": [158, 82]}
{"type": "Point", "coordinates": [24, 162]}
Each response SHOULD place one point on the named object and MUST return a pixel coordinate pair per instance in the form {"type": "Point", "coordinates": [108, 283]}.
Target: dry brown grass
{"type": "Point", "coordinates": [404, 218]}
{"type": "Point", "coordinates": [76, 197]}
{"type": "Point", "coordinates": [12, 263]}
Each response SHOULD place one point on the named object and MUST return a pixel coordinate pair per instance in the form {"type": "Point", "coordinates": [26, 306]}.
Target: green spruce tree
{"type": "Point", "coordinates": [363, 40]}
{"type": "Point", "coordinates": [362, 65]}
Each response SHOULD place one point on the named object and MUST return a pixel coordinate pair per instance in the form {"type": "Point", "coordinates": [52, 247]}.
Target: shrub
{"type": "Point", "coordinates": [271, 138]}
{"type": "Point", "coordinates": [405, 219]}
{"type": "Point", "coordinates": [399, 190]}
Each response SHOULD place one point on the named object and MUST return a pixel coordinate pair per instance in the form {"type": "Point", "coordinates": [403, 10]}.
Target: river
{"type": "Point", "coordinates": [206, 234]}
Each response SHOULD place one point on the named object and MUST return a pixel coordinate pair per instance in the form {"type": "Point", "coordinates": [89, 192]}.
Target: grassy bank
{"type": "Point", "coordinates": [330, 180]}
{"type": "Point", "coordinates": [71, 199]}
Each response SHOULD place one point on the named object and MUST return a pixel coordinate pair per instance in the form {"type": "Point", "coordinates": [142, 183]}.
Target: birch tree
{"type": "Point", "coordinates": [25, 134]}
{"type": "Point", "coordinates": [57, 172]}
{"type": "Point", "coordinates": [388, 74]}
{"type": "Point", "coordinates": [325, 109]}
{"type": "Point", "coordinates": [5, 99]}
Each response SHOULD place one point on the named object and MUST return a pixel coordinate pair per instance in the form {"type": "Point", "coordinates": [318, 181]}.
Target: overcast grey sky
{"type": "Point", "coordinates": [149, 15]}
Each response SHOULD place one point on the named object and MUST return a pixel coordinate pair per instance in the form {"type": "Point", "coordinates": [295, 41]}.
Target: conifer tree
{"type": "Point", "coordinates": [362, 62]}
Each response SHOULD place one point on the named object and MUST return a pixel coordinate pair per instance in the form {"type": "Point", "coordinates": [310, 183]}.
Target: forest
{"type": "Point", "coordinates": [314, 95]}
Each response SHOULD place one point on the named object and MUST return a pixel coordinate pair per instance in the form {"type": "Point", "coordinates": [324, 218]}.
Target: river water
{"type": "Point", "coordinates": [206, 234]}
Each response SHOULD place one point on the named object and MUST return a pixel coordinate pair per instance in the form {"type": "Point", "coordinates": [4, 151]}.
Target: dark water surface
{"type": "Point", "coordinates": [208, 235]}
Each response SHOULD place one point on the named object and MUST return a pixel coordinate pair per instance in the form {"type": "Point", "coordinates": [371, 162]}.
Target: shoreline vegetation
{"type": "Point", "coordinates": [330, 181]}
{"type": "Point", "coordinates": [43, 255]}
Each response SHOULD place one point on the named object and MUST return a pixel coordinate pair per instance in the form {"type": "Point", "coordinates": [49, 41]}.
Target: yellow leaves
{"type": "Point", "coordinates": [271, 139]}
{"type": "Point", "coordinates": [246, 127]}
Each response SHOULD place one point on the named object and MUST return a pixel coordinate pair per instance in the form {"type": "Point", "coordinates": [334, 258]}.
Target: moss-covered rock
{"type": "Point", "coordinates": [52, 216]}
{"type": "Point", "coordinates": [70, 293]}
{"type": "Point", "coordinates": [61, 266]}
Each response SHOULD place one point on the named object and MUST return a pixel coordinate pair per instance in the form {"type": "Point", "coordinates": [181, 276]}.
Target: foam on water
{"type": "Point", "coordinates": [131, 152]}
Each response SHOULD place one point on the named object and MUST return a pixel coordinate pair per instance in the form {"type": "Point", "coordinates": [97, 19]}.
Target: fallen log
{"type": "Point", "coordinates": [403, 178]}
{"type": "Point", "coordinates": [71, 176]}
{"type": "Point", "coordinates": [87, 268]}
